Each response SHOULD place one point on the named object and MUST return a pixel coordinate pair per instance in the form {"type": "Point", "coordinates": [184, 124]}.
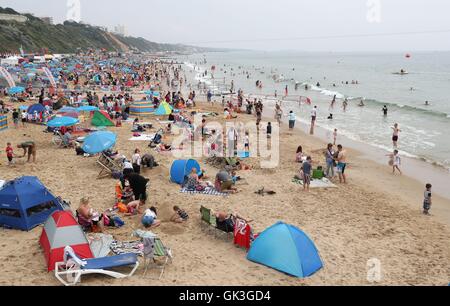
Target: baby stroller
{"type": "Point", "coordinates": [157, 139]}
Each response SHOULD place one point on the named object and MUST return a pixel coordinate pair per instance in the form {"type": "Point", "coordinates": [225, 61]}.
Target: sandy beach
{"type": "Point", "coordinates": [376, 215]}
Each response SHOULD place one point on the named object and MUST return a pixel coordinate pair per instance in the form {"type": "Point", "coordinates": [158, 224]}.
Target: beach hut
{"type": "Point", "coordinates": [286, 248]}
{"type": "Point", "coordinates": [181, 168]}
{"type": "Point", "coordinates": [101, 118]}
{"type": "Point", "coordinates": [141, 108]}
{"type": "Point", "coordinates": [164, 109]}
{"type": "Point", "coordinates": [3, 123]}
{"type": "Point", "coordinates": [26, 203]}
{"type": "Point", "coordinates": [61, 230]}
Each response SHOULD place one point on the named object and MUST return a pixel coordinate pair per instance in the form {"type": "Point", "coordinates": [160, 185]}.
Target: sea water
{"type": "Point", "coordinates": [425, 128]}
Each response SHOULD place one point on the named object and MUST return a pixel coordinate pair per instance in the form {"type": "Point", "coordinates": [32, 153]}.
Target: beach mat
{"type": "Point", "coordinates": [143, 137]}
{"type": "Point", "coordinates": [207, 191]}
{"type": "Point", "coordinates": [322, 183]}
{"type": "Point", "coordinates": [100, 244]}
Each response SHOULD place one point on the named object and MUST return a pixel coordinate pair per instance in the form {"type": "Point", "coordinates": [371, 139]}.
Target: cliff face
{"type": "Point", "coordinates": [35, 35]}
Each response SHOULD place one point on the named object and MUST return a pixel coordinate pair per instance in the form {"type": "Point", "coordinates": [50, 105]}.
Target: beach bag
{"type": "Point", "coordinates": [318, 174]}
{"type": "Point", "coordinates": [118, 222]}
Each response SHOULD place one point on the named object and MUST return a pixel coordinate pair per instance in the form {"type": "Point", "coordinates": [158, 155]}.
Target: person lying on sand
{"type": "Point", "coordinates": [179, 216]}
{"type": "Point", "coordinates": [225, 222]}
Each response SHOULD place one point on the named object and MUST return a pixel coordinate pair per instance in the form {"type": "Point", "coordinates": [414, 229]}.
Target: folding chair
{"type": "Point", "coordinates": [108, 166]}
{"type": "Point", "coordinates": [69, 271]}
{"type": "Point", "coordinates": [207, 218]}
{"type": "Point", "coordinates": [156, 254]}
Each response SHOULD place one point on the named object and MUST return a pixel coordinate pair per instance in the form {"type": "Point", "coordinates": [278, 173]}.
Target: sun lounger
{"type": "Point", "coordinates": [70, 271]}
{"type": "Point", "coordinates": [156, 255]}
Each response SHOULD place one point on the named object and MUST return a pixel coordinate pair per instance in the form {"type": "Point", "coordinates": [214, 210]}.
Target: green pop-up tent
{"type": "Point", "coordinates": [101, 118]}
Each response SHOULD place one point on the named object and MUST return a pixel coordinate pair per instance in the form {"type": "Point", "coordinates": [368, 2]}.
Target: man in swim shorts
{"type": "Point", "coordinates": [341, 164]}
{"type": "Point", "coordinates": [30, 147]}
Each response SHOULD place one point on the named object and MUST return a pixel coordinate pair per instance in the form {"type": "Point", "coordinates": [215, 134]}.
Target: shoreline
{"type": "Point", "coordinates": [379, 171]}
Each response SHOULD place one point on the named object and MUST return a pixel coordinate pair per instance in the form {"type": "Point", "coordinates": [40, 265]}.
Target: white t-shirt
{"type": "Point", "coordinates": [24, 115]}
{"type": "Point", "coordinates": [314, 112]}
{"type": "Point", "coordinates": [397, 160]}
{"type": "Point", "coordinates": [127, 165]}
{"type": "Point", "coordinates": [149, 213]}
{"type": "Point", "coordinates": [136, 159]}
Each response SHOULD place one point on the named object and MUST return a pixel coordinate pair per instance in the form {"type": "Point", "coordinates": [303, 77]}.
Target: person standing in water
{"type": "Point", "coordinates": [395, 135]}
{"type": "Point", "coordinates": [345, 104]}
{"type": "Point", "coordinates": [333, 102]}
{"type": "Point", "coordinates": [313, 119]}
{"type": "Point", "coordinates": [385, 110]}
{"type": "Point", "coordinates": [286, 91]}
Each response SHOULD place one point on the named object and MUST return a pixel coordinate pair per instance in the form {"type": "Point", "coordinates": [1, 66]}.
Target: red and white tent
{"type": "Point", "coordinates": [61, 230]}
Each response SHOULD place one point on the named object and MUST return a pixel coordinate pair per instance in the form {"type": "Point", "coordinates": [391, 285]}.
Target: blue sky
{"type": "Point", "coordinates": [267, 24]}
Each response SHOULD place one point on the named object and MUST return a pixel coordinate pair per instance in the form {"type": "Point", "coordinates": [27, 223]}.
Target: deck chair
{"type": "Point", "coordinates": [207, 218]}
{"type": "Point", "coordinates": [108, 165]}
{"type": "Point", "coordinates": [156, 255]}
{"type": "Point", "coordinates": [156, 139]}
{"type": "Point", "coordinates": [69, 271]}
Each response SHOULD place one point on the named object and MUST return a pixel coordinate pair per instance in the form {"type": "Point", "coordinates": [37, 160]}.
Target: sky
{"type": "Point", "coordinates": [304, 25]}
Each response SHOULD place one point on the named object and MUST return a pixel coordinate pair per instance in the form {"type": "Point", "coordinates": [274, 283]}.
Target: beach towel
{"type": "Point", "coordinates": [100, 244]}
{"type": "Point", "coordinates": [144, 234]}
{"type": "Point", "coordinates": [143, 137]}
{"type": "Point", "coordinates": [207, 191]}
{"type": "Point", "coordinates": [322, 183]}
{"type": "Point", "coordinates": [125, 247]}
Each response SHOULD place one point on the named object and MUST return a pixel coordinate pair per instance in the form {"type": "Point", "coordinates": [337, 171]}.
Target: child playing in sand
{"type": "Point", "coordinates": [149, 218]}
{"type": "Point", "coordinates": [427, 200]}
{"type": "Point", "coordinates": [9, 153]}
{"type": "Point", "coordinates": [179, 216]}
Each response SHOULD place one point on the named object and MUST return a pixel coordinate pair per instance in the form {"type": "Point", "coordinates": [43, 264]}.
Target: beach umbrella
{"type": "Point", "coordinates": [62, 121]}
{"type": "Point", "coordinates": [67, 109]}
{"type": "Point", "coordinates": [99, 141]}
{"type": "Point", "coordinates": [16, 90]}
{"type": "Point", "coordinates": [69, 114]}
{"type": "Point", "coordinates": [87, 108]}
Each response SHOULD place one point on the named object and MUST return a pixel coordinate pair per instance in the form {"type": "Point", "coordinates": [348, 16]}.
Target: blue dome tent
{"type": "Point", "coordinates": [39, 108]}
{"type": "Point", "coordinates": [26, 203]}
{"type": "Point", "coordinates": [181, 168]}
{"type": "Point", "coordinates": [286, 248]}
